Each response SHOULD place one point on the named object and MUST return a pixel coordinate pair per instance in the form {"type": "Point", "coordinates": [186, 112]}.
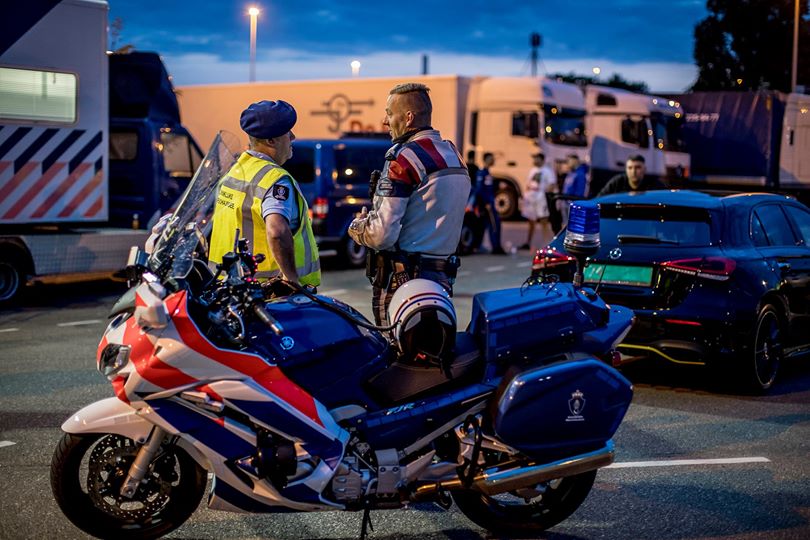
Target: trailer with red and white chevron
{"type": "Point", "coordinates": [91, 146]}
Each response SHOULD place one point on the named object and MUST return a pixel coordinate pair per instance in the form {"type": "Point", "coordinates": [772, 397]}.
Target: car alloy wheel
{"type": "Point", "coordinates": [767, 353]}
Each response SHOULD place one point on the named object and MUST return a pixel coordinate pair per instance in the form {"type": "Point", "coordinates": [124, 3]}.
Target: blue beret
{"type": "Point", "coordinates": [268, 119]}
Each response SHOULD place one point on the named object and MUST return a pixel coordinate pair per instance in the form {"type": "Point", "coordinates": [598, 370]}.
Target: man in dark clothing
{"type": "Point", "coordinates": [483, 197]}
{"type": "Point", "coordinates": [633, 179]}
{"type": "Point", "coordinates": [472, 168]}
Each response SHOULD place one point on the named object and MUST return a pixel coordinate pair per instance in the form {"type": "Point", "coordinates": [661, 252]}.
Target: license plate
{"type": "Point", "coordinates": [639, 276]}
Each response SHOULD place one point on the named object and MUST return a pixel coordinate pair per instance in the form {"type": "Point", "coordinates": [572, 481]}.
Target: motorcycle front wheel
{"type": "Point", "coordinates": [87, 472]}
{"type": "Point", "coordinates": [526, 511]}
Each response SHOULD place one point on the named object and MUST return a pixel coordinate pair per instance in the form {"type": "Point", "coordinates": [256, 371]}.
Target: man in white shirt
{"type": "Point", "coordinates": [535, 206]}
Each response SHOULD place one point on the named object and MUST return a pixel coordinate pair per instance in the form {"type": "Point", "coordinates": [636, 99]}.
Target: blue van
{"type": "Point", "coordinates": [334, 176]}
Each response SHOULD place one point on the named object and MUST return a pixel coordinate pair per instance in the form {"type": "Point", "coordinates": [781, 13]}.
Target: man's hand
{"type": "Point", "coordinates": [357, 225]}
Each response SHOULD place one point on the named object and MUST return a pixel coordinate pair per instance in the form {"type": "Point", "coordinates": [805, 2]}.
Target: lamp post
{"type": "Point", "coordinates": [793, 76]}
{"type": "Point", "coordinates": [355, 68]}
{"type": "Point", "coordinates": [254, 15]}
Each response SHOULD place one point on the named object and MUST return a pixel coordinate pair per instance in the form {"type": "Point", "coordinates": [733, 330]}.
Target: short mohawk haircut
{"type": "Point", "coordinates": [418, 98]}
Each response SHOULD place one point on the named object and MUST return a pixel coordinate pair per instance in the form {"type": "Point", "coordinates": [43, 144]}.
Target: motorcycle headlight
{"type": "Point", "coordinates": [113, 358]}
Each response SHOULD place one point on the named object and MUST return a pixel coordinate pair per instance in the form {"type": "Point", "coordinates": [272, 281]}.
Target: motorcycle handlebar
{"type": "Point", "coordinates": [268, 319]}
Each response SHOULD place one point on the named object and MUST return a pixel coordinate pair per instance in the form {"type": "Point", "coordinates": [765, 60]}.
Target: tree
{"type": "Point", "coordinates": [748, 45]}
{"type": "Point", "coordinates": [615, 81]}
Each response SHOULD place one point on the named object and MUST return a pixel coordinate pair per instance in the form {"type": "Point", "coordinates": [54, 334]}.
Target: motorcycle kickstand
{"type": "Point", "coordinates": [366, 522]}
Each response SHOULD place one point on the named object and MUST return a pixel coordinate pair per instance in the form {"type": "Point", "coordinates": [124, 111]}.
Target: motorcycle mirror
{"type": "Point", "coordinates": [150, 311]}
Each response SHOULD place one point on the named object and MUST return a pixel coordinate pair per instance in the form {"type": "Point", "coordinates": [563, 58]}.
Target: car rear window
{"type": "Point", "coordinates": [302, 164]}
{"type": "Point", "coordinates": [802, 219]}
{"type": "Point", "coordinates": [355, 163]}
{"type": "Point", "coordinates": [654, 225]}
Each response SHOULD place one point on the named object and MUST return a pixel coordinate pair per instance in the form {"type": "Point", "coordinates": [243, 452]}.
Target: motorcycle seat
{"type": "Point", "coordinates": [404, 380]}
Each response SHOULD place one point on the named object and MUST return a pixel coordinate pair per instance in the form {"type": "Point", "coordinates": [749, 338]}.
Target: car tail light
{"type": "Point", "coordinates": [550, 258]}
{"type": "Point", "coordinates": [715, 268]}
{"type": "Point", "coordinates": [682, 322]}
{"type": "Point", "coordinates": [320, 208]}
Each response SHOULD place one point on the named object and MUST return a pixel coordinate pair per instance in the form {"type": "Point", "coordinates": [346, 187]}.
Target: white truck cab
{"type": "Point", "coordinates": [623, 123]}
{"type": "Point", "coordinates": [514, 118]}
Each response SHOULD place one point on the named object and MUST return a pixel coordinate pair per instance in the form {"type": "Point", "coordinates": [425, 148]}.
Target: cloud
{"type": "Point", "coordinates": [289, 64]}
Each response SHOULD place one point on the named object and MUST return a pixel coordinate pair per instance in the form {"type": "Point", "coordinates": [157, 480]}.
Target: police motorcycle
{"type": "Point", "coordinates": [293, 401]}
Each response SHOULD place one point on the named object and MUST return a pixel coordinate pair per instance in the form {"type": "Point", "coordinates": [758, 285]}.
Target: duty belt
{"type": "Point", "coordinates": [385, 263]}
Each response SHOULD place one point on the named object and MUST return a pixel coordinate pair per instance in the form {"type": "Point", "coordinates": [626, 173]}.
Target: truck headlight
{"type": "Point", "coordinates": [113, 358]}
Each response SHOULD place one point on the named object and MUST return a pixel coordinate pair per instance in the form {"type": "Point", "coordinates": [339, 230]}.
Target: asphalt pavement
{"type": "Point", "coordinates": [694, 460]}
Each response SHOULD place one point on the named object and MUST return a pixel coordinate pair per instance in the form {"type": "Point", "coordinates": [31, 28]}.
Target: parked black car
{"type": "Point", "coordinates": [715, 280]}
{"type": "Point", "coordinates": [334, 176]}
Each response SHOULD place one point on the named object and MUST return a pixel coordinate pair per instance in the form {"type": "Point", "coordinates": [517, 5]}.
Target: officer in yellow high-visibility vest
{"type": "Point", "coordinates": [258, 191]}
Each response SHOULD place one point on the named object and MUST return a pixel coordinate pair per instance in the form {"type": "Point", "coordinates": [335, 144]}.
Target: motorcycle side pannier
{"type": "Point", "coordinates": [534, 321]}
{"type": "Point", "coordinates": [569, 407]}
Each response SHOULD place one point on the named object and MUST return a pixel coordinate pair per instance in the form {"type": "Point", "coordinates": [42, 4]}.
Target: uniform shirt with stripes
{"type": "Point", "coordinates": [420, 199]}
{"type": "Point", "coordinates": [281, 199]}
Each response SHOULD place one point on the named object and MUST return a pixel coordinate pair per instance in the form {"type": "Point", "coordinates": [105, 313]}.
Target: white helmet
{"type": "Point", "coordinates": [426, 329]}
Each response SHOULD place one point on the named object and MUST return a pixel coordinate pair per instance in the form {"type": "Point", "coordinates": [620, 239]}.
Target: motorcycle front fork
{"type": "Point", "coordinates": [140, 466]}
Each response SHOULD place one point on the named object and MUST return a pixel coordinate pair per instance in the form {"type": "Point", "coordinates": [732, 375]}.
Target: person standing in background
{"type": "Point", "coordinates": [576, 182]}
{"type": "Point", "coordinates": [483, 197]}
{"type": "Point", "coordinates": [535, 204]}
{"type": "Point", "coordinates": [472, 168]}
{"type": "Point", "coordinates": [633, 179]}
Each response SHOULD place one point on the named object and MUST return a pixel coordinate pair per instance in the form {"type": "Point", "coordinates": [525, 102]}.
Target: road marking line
{"type": "Point", "coordinates": [6, 443]}
{"type": "Point", "coordinates": [680, 462]}
{"type": "Point", "coordinates": [494, 268]}
{"type": "Point", "coordinates": [464, 273]}
{"type": "Point", "coordinates": [335, 292]}
{"type": "Point", "coordinates": [524, 264]}
{"type": "Point", "coordinates": [10, 330]}
{"type": "Point", "coordinates": [79, 323]}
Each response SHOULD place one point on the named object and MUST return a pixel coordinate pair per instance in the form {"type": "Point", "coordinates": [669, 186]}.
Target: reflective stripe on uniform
{"type": "Point", "coordinates": [227, 216]}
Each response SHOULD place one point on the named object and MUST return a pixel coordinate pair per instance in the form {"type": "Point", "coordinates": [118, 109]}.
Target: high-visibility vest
{"type": "Point", "coordinates": [239, 205]}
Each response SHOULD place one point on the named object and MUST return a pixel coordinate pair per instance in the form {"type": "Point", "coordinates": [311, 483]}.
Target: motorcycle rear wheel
{"type": "Point", "coordinates": [87, 472]}
{"type": "Point", "coordinates": [521, 514]}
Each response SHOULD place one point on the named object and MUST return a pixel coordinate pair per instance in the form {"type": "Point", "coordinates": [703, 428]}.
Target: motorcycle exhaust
{"type": "Point", "coordinates": [493, 481]}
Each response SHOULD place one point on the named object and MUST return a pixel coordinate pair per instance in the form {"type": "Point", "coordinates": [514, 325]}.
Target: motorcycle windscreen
{"type": "Point", "coordinates": [562, 409]}
{"type": "Point", "coordinates": [188, 230]}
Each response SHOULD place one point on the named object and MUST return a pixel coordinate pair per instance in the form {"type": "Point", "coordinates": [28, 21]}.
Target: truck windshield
{"type": "Point", "coordinates": [564, 126]}
{"type": "Point", "coordinates": [191, 222]}
{"type": "Point", "coordinates": [667, 133]}
{"type": "Point", "coordinates": [180, 158]}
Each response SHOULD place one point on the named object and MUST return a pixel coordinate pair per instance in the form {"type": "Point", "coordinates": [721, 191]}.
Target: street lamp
{"type": "Point", "coordinates": [254, 15]}
{"type": "Point", "coordinates": [793, 75]}
{"type": "Point", "coordinates": [355, 68]}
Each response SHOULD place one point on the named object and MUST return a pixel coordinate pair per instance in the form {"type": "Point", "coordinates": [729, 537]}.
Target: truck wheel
{"type": "Point", "coordinates": [12, 277]}
{"type": "Point", "coordinates": [506, 201]}
{"type": "Point", "coordinates": [353, 254]}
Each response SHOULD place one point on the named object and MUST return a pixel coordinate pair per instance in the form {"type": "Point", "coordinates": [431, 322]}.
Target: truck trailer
{"type": "Point", "coordinates": [512, 117]}
{"type": "Point", "coordinates": [749, 141]}
{"type": "Point", "coordinates": [91, 147]}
